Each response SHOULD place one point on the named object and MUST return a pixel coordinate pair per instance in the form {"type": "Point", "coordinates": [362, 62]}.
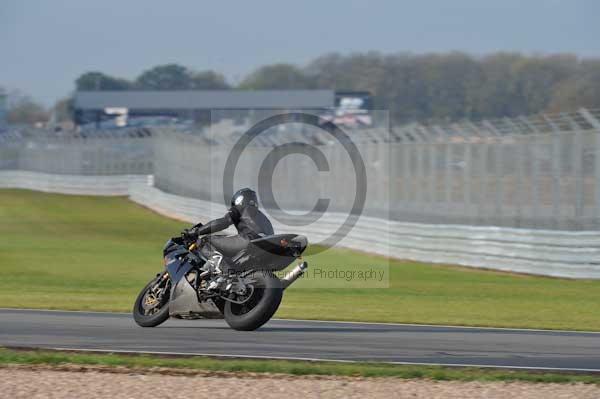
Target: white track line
{"type": "Point", "coordinates": [441, 326]}
{"type": "Point", "coordinates": [309, 359]}
{"type": "Point", "coordinates": [336, 322]}
{"type": "Point", "coordinates": [62, 311]}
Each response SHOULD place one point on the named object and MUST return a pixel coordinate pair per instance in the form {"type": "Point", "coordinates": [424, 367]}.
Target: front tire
{"type": "Point", "coordinates": [259, 308]}
{"type": "Point", "coordinates": [148, 313]}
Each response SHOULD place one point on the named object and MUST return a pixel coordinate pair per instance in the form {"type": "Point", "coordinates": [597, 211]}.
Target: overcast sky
{"type": "Point", "coordinates": [46, 44]}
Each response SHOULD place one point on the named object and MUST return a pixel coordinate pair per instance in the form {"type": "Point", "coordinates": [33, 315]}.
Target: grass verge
{"type": "Point", "coordinates": [96, 253]}
{"type": "Point", "coordinates": [298, 368]}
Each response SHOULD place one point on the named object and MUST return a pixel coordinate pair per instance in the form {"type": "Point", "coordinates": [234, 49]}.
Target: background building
{"type": "Point", "coordinates": [130, 107]}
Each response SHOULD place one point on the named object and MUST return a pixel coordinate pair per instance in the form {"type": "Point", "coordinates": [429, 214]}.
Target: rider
{"type": "Point", "coordinates": [244, 214]}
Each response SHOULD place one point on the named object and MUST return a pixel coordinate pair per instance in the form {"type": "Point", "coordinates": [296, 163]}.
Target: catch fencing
{"type": "Point", "coordinates": [539, 172]}
{"type": "Point", "coordinates": [97, 153]}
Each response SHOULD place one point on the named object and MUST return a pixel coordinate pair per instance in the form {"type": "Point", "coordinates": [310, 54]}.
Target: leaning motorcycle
{"type": "Point", "coordinates": [194, 284]}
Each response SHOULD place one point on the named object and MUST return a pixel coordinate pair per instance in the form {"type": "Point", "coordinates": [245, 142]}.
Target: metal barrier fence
{"type": "Point", "coordinates": [119, 152]}
{"type": "Point", "coordinates": [541, 171]}
{"type": "Point", "coordinates": [537, 172]}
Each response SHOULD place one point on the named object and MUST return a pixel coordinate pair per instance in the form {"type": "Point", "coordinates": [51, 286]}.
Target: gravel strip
{"type": "Point", "coordinates": [33, 383]}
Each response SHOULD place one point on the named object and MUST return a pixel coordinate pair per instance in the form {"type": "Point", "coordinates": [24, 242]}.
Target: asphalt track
{"type": "Point", "coordinates": [297, 339]}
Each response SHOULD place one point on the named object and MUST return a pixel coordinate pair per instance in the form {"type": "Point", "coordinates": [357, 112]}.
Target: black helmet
{"type": "Point", "coordinates": [243, 199]}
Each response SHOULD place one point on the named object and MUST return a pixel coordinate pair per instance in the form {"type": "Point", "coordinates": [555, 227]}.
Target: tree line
{"type": "Point", "coordinates": [413, 87]}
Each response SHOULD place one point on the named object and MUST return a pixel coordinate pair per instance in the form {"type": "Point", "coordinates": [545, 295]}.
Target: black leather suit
{"type": "Point", "coordinates": [249, 222]}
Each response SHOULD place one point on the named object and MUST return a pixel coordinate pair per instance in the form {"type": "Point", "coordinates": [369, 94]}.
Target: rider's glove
{"type": "Point", "coordinates": [189, 235]}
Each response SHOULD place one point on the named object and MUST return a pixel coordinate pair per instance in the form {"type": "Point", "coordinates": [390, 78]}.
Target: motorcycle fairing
{"type": "Point", "coordinates": [184, 299]}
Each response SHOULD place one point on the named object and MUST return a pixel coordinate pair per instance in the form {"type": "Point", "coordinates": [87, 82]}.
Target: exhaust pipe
{"type": "Point", "coordinates": [293, 275]}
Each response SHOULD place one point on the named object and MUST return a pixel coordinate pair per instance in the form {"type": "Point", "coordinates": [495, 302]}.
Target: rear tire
{"type": "Point", "coordinates": [261, 306]}
{"type": "Point", "coordinates": [159, 316]}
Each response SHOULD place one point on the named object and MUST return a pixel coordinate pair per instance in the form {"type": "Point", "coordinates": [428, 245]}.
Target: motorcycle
{"type": "Point", "coordinates": [203, 281]}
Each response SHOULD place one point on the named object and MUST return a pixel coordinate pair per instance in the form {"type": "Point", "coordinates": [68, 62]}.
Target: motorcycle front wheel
{"type": "Point", "coordinates": [151, 307]}
{"type": "Point", "coordinates": [260, 307]}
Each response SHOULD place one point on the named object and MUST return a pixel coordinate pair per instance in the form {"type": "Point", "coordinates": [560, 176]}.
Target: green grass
{"type": "Point", "coordinates": [94, 253]}
{"type": "Point", "coordinates": [206, 364]}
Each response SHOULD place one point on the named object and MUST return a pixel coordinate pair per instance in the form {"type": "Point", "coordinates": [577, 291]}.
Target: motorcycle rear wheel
{"type": "Point", "coordinates": [261, 306]}
{"type": "Point", "coordinates": [158, 314]}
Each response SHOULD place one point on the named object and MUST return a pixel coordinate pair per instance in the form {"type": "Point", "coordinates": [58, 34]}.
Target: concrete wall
{"type": "Point", "coordinates": [70, 184]}
{"type": "Point", "coordinates": [543, 252]}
